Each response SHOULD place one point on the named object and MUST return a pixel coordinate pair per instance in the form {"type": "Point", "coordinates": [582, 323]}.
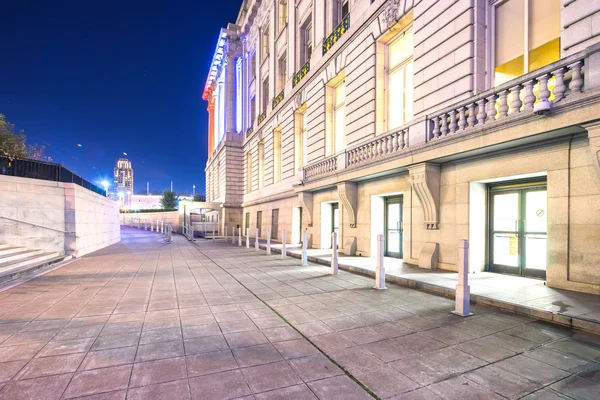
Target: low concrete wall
{"type": "Point", "coordinates": [55, 216]}
{"type": "Point", "coordinates": [169, 217]}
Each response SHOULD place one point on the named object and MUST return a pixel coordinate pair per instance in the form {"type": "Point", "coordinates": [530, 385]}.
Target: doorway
{"type": "Point", "coordinates": [393, 227]}
{"type": "Point", "coordinates": [297, 225]}
{"type": "Point", "coordinates": [518, 229]}
{"type": "Point", "coordinates": [335, 219]}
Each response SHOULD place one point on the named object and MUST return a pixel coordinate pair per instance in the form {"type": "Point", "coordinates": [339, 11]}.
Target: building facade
{"type": "Point", "coordinates": [423, 121]}
{"type": "Point", "coordinates": [123, 183]}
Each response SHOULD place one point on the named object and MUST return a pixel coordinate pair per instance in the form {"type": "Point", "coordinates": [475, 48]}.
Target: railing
{"type": "Point", "coordinates": [250, 131]}
{"type": "Point", "coordinates": [261, 118]}
{"type": "Point", "coordinates": [298, 76]}
{"type": "Point", "coordinates": [39, 226]}
{"type": "Point", "coordinates": [536, 92]}
{"type": "Point", "coordinates": [321, 168]}
{"type": "Point", "coordinates": [25, 168]}
{"type": "Point", "coordinates": [377, 148]}
{"type": "Point", "coordinates": [337, 33]}
{"type": "Point", "coordinates": [278, 99]}
{"type": "Point", "coordinates": [528, 94]}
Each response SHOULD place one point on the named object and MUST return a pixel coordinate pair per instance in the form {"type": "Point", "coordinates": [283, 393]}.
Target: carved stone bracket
{"type": "Point", "coordinates": [425, 180]}
{"type": "Point", "coordinates": [306, 199]}
{"type": "Point", "coordinates": [394, 10]}
{"type": "Point", "coordinates": [594, 138]}
{"type": "Point", "coordinates": [348, 194]}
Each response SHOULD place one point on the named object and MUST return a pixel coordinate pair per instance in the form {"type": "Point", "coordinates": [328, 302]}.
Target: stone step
{"type": "Point", "coordinates": [4, 245]}
{"type": "Point", "coordinates": [4, 250]}
{"type": "Point", "coordinates": [34, 259]}
{"type": "Point", "coordinates": [31, 267]}
{"type": "Point", "coordinates": [21, 254]}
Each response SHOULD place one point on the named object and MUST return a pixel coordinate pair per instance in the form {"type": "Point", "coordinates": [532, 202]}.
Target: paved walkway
{"type": "Point", "coordinates": [147, 320]}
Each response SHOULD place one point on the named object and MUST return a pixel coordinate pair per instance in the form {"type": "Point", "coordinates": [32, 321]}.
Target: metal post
{"type": "Point", "coordinates": [232, 235]}
{"type": "Point", "coordinates": [247, 238]}
{"type": "Point", "coordinates": [304, 253]}
{"type": "Point", "coordinates": [256, 243]}
{"type": "Point", "coordinates": [283, 249]}
{"type": "Point", "coordinates": [380, 269]}
{"type": "Point", "coordinates": [145, 224]}
{"type": "Point", "coordinates": [268, 240]}
{"type": "Point", "coordinates": [239, 237]}
{"type": "Point", "coordinates": [463, 292]}
{"type": "Point", "coordinates": [138, 222]}
{"type": "Point", "coordinates": [334, 254]}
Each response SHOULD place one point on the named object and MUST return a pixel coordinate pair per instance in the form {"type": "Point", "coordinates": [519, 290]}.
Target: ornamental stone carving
{"type": "Point", "coordinates": [425, 180]}
{"type": "Point", "coordinates": [394, 10]}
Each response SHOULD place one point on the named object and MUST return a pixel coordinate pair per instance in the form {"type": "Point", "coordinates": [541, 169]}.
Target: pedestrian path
{"type": "Point", "coordinates": [145, 319]}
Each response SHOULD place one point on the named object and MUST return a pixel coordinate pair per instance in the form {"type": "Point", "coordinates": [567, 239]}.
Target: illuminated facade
{"type": "Point", "coordinates": [123, 182]}
{"type": "Point", "coordinates": [425, 122]}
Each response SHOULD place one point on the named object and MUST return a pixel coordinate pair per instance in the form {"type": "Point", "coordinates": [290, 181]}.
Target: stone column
{"type": "Point", "coordinates": [211, 126]}
{"type": "Point", "coordinates": [230, 94]}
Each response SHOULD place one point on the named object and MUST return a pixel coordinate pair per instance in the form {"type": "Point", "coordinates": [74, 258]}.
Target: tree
{"type": "Point", "coordinates": [199, 197]}
{"type": "Point", "coordinates": [168, 200]}
{"type": "Point", "coordinates": [13, 144]}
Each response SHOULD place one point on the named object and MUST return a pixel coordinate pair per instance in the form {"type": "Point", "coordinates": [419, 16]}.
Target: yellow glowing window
{"type": "Point", "coordinates": [527, 37]}
{"type": "Point", "coordinates": [339, 111]}
{"type": "Point", "coordinates": [400, 81]}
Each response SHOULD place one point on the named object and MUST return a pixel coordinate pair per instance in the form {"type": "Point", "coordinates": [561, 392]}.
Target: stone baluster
{"type": "Point", "coordinates": [491, 102]}
{"type": "Point", "coordinates": [395, 143]}
{"type": "Point", "coordinates": [405, 139]}
{"type": "Point", "coordinates": [529, 97]}
{"type": "Point", "coordinates": [436, 127]}
{"type": "Point", "coordinates": [544, 93]}
{"type": "Point", "coordinates": [516, 103]}
{"type": "Point", "coordinates": [503, 109]}
{"type": "Point", "coordinates": [559, 87]}
{"type": "Point", "coordinates": [462, 118]}
{"type": "Point", "coordinates": [453, 124]}
{"type": "Point", "coordinates": [471, 118]}
{"type": "Point", "coordinates": [444, 124]}
{"type": "Point", "coordinates": [481, 114]}
{"type": "Point", "coordinates": [576, 79]}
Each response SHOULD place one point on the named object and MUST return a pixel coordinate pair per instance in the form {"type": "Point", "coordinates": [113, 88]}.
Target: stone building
{"type": "Point", "coordinates": [423, 121]}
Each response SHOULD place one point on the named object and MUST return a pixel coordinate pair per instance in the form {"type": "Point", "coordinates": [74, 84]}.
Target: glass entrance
{"type": "Point", "coordinates": [518, 230]}
{"type": "Point", "coordinates": [393, 227]}
{"type": "Point", "coordinates": [335, 220]}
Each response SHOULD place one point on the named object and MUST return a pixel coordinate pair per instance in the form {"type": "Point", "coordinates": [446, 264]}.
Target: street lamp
{"type": "Point", "coordinates": [193, 190]}
{"type": "Point", "coordinates": [105, 184]}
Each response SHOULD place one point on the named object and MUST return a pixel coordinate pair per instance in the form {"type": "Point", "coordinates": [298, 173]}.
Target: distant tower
{"type": "Point", "coordinates": [124, 182]}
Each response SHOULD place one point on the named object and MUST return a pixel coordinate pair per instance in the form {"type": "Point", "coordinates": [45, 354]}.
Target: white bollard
{"type": "Point", "coordinates": [256, 243]}
{"type": "Point", "coordinates": [334, 254]}
{"type": "Point", "coordinates": [239, 237]}
{"type": "Point", "coordinates": [213, 235]}
{"type": "Point", "coordinates": [379, 268]}
{"type": "Point", "coordinates": [145, 224]}
{"type": "Point", "coordinates": [283, 249]}
{"type": "Point", "coordinates": [247, 238]}
{"type": "Point", "coordinates": [130, 222]}
{"type": "Point", "coordinates": [232, 235]}
{"type": "Point", "coordinates": [156, 226]}
{"type": "Point", "coordinates": [304, 253]}
{"type": "Point", "coordinates": [139, 223]}
{"type": "Point", "coordinates": [463, 292]}
{"type": "Point", "coordinates": [268, 240]}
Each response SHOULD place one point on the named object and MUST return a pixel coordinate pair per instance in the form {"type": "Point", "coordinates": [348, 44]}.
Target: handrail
{"type": "Point", "coordinates": [38, 226]}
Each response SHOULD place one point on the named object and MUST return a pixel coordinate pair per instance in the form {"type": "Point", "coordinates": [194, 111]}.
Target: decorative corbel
{"type": "Point", "coordinates": [306, 199]}
{"type": "Point", "coordinates": [425, 180]}
{"type": "Point", "coordinates": [348, 194]}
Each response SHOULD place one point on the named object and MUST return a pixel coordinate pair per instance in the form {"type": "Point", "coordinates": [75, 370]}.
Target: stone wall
{"type": "Point", "coordinates": [54, 216]}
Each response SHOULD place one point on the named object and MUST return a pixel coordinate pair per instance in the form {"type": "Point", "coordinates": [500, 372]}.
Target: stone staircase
{"type": "Point", "coordinates": [17, 262]}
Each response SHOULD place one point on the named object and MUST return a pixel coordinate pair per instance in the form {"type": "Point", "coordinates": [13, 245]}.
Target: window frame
{"type": "Point", "coordinates": [391, 70]}
{"type": "Point", "coordinates": [282, 24]}
{"type": "Point", "coordinates": [334, 108]}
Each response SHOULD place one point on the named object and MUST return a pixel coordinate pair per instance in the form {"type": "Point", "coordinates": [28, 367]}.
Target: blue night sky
{"type": "Point", "coordinates": [113, 76]}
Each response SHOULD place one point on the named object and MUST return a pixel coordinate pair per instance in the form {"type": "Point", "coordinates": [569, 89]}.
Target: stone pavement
{"type": "Point", "coordinates": [147, 320]}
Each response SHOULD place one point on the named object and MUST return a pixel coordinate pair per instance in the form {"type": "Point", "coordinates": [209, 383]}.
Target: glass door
{"type": "Point", "coordinates": [393, 227]}
{"type": "Point", "coordinates": [335, 220]}
{"type": "Point", "coordinates": [518, 230]}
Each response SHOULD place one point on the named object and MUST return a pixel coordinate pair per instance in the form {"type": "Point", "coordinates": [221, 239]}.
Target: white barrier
{"type": "Point", "coordinates": [304, 252]}
{"type": "Point", "coordinates": [256, 243]}
{"type": "Point", "coordinates": [283, 249]}
{"type": "Point", "coordinates": [463, 291]}
{"type": "Point", "coordinates": [213, 238]}
{"type": "Point", "coordinates": [232, 235]}
{"type": "Point", "coordinates": [247, 238]}
{"type": "Point", "coordinates": [239, 237]}
{"type": "Point", "coordinates": [139, 223]}
{"type": "Point", "coordinates": [379, 268]}
{"type": "Point", "coordinates": [334, 254]}
{"type": "Point", "coordinates": [268, 240]}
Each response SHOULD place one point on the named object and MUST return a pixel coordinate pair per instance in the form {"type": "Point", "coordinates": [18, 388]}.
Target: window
{"type": "Point", "coordinates": [526, 37]}
{"type": "Point", "coordinates": [259, 222]}
{"type": "Point", "coordinates": [306, 47]}
{"type": "Point", "coordinates": [340, 8]}
{"type": "Point", "coordinates": [400, 80]}
{"type": "Point", "coordinates": [265, 94]}
{"type": "Point", "coordinates": [301, 146]}
{"type": "Point", "coordinates": [238, 95]}
{"type": "Point", "coordinates": [339, 102]}
{"type": "Point", "coordinates": [252, 111]}
{"type": "Point", "coordinates": [252, 66]}
{"type": "Point", "coordinates": [276, 155]}
{"type": "Point", "coordinates": [265, 42]}
{"type": "Point", "coordinates": [283, 14]}
{"type": "Point", "coordinates": [282, 73]}
{"type": "Point", "coordinates": [261, 164]}
{"type": "Point", "coordinates": [274, 223]}
{"type": "Point", "coordinates": [248, 172]}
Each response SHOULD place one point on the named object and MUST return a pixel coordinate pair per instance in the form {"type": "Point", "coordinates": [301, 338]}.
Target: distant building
{"type": "Point", "coordinates": [145, 202]}
{"type": "Point", "coordinates": [124, 182]}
